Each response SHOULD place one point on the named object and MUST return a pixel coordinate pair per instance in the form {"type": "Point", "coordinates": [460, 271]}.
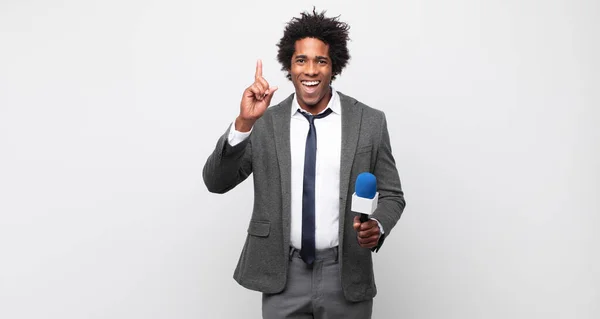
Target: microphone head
{"type": "Point", "coordinates": [366, 185]}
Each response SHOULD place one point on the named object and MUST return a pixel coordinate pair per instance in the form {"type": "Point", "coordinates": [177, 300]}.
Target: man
{"type": "Point", "coordinates": [305, 249]}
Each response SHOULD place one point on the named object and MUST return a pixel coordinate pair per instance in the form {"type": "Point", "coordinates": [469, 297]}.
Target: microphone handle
{"type": "Point", "coordinates": [364, 218]}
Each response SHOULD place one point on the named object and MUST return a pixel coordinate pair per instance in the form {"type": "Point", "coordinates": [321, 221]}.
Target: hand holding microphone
{"type": "Point", "coordinates": [364, 202]}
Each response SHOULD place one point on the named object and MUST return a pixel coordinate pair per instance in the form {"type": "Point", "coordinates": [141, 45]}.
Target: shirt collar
{"type": "Point", "coordinates": [334, 103]}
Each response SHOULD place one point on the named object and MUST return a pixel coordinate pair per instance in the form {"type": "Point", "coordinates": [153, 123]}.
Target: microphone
{"type": "Point", "coordinates": [364, 200]}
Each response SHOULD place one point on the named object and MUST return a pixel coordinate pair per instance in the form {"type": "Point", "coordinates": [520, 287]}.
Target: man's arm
{"type": "Point", "coordinates": [228, 165]}
{"type": "Point", "coordinates": [231, 162]}
{"type": "Point", "coordinates": [391, 197]}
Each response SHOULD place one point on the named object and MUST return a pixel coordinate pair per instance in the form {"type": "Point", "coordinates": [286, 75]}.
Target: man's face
{"type": "Point", "coordinates": [311, 73]}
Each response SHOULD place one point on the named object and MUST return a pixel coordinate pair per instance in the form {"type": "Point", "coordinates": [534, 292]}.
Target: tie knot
{"type": "Point", "coordinates": [311, 117]}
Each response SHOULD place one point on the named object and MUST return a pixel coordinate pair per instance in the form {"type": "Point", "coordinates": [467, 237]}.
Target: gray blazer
{"type": "Point", "coordinates": [366, 147]}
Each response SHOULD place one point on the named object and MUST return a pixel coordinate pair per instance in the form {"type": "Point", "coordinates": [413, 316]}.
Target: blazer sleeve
{"type": "Point", "coordinates": [391, 197]}
{"type": "Point", "coordinates": [228, 165]}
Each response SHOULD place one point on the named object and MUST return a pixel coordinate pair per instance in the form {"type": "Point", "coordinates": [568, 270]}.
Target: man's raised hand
{"type": "Point", "coordinates": [255, 101]}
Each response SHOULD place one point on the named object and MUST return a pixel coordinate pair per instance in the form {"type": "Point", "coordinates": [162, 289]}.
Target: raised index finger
{"type": "Point", "coordinates": [258, 69]}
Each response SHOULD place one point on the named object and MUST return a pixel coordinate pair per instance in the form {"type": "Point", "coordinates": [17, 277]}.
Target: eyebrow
{"type": "Point", "coordinates": [318, 57]}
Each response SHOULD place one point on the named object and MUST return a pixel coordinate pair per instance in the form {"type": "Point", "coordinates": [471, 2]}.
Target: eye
{"type": "Point", "coordinates": [299, 60]}
{"type": "Point", "coordinates": [322, 62]}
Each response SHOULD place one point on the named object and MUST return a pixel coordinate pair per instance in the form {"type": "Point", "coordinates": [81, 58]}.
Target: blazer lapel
{"type": "Point", "coordinates": [351, 120]}
{"type": "Point", "coordinates": [281, 130]}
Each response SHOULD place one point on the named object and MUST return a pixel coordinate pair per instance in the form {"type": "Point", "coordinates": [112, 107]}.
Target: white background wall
{"type": "Point", "coordinates": [108, 110]}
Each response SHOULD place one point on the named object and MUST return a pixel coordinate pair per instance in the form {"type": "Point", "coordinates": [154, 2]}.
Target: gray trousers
{"type": "Point", "coordinates": [314, 292]}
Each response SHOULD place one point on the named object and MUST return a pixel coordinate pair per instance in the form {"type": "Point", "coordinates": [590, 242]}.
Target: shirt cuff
{"type": "Point", "coordinates": [236, 137]}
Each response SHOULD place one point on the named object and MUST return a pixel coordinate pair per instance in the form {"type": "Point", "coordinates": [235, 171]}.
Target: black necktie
{"type": "Point", "coordinates": [308, 192]}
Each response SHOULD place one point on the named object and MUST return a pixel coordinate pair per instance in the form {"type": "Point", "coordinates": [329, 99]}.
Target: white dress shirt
{"type": "Point", "coordinates": [327, 172]}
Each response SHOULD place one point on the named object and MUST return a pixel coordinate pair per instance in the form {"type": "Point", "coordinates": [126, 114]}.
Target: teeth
{"type": "Point", "coordinates": [310, 83]}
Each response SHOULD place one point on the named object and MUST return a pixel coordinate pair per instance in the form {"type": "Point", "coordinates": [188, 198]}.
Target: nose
{"type": "Point", "coordinates": [311, 69]}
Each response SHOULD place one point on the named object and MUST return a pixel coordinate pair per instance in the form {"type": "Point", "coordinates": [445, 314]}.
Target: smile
{"type": "Point", "coordinates": [310, 83]}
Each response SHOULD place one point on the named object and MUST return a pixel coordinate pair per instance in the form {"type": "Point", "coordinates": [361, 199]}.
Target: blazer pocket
{"type": "Point", "coordinates": [364, 149]}
{"type": "Point", "coordinates": [259, 228]}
